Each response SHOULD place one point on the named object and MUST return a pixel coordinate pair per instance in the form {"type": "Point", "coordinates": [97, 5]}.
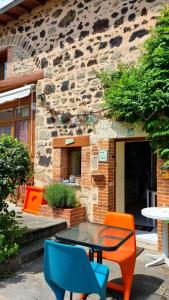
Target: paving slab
{"type": "Point", "coordinates": [29, 284]}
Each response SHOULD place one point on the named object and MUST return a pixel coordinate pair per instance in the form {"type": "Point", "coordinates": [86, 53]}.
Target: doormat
{"type": "Point", "coordinates": [144, 227]}
{"type": "Point", "coordinates": [139, 250]}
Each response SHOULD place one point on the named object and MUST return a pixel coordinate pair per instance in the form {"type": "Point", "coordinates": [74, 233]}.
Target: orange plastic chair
{"type": "Point", "coordinates": [33, 199]}
{"type": "Point", "coordinates": [125, 256]}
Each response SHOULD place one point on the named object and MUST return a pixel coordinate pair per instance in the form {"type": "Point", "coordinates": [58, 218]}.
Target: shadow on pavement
{"type": "Point", "coordinates": [144, 287]}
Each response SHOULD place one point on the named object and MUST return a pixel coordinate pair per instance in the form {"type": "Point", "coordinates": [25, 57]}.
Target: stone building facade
{"type": "Point", "coordinates": [71, 40]}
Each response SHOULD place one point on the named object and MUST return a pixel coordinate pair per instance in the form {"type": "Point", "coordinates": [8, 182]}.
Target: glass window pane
{"type": "Point", "coordinates": [22, 111]}
{"type": "Point", "coordinates": [5, 70]}
{"type": "Point", "coordinates": [21, 131]}
{"type": "Point", "coordinates": [5, 130]}
{"type": "Point", "coordinates": [6, 115]}
{"type": "Point", "coordinates": [75, 162]}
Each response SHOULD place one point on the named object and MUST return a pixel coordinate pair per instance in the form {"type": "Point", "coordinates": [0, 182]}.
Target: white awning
{"type": "Point", "coordinates": [16, 94]}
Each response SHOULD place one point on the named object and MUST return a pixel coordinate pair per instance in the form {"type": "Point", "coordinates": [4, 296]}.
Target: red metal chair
{"type": "Point", "coordinates": [125, 256]}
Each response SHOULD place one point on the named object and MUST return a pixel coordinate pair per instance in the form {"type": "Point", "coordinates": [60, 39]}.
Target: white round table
{"type": "Point", "coordinates": [162, 214]}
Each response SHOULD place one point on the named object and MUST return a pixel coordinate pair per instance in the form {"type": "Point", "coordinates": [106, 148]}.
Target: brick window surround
{"type": "Point", "coordinates": [62, 147]}
{"type": "Point", "coordinates": [6, 56]}
{"type": "Point", "coordinates": [101, 179]}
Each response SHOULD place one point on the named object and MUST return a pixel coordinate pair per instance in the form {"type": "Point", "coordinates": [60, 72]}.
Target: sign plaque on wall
{"type": "Point", "coordinates": [102, 155]}
{"type": "Point", "coordinates": [69, 141]}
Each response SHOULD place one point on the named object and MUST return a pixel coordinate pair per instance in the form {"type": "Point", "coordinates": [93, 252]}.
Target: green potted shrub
{"type": "Point", "coordinates": [60, 196]}
{"type": "Point", "coordinates": [63, 203]}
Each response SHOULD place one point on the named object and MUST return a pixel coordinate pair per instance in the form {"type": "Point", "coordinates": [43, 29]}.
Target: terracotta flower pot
{"type": "Point", "coordinates": [165, 172]}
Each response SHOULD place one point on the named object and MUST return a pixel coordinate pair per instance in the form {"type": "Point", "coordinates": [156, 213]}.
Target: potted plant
{"type": "Point", "coordinates": [63, 203]}
{"type": "Point", "coordinates": [165, 170]}
{"type": "Point", "coordinates": [60, 196]}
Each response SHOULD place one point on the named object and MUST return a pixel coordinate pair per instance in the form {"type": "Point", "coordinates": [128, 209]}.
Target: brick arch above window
{"type": "Point", "coordinates": [18, 42]}
{"type": "Point", "coordinates": [22, 56]}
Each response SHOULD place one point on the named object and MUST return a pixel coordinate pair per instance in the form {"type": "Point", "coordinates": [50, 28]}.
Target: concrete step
{"type": "Point", "coordinates": [32, 250]}
{"type": "Point", "coordinates": [37, 230]}
{"type": "Point", "coordinates": [38, 227]}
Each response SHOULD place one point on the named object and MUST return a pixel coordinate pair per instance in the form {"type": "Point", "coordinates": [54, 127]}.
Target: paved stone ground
{"type": "Point", "coordinates": [29, 284]}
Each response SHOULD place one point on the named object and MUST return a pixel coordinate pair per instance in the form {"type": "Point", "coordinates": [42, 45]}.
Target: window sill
{"type": "Point", "coordinates": [76, 185]}
{"type": "Point", "coordinates": [96, 173]}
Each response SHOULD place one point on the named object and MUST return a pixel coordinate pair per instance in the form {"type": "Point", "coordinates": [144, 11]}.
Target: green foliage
{"type": "Point", "coordinates": [60, 195]}
{"type": "Point", "coordinates": [14, 166]}
{"type": "Point", "coordinates": [141, 92]}
{"type": "Point", "coordinates": [122, 93]}
{"type": "Point", "coordinates": [14, 169]}
{"type": "Point", "coordinates": [6, 249]}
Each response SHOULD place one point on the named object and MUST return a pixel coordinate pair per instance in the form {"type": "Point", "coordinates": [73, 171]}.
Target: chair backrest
{"type": "Point", "coordinates": [68, 267]}
{"type": "Point", "coordinates": [125, 221]}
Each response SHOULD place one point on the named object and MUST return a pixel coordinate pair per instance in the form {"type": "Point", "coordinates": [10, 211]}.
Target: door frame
{"type": "Point", "coordinates": [120, 171]}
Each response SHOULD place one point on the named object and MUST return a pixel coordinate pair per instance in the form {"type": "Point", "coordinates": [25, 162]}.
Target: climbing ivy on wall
{"type": "Point", "coordinates": [141, 92]}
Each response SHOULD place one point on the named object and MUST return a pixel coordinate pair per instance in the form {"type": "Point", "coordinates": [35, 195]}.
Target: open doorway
{"type": "Point", "coordinates": [140, 181]}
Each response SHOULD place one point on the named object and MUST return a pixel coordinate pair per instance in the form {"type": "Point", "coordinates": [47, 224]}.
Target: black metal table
{"type": "Point", "coordinates": [96, 237]}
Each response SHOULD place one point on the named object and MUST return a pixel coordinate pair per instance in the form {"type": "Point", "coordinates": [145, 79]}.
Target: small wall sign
{"type": "Point", "coordinates": [69, 141]}
{"type": "Point", "coordinates": [102, 155]}
{"type": "Point", "coordinates": [130, 131]}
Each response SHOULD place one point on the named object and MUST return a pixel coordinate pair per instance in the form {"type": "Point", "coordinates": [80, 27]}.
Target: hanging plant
{"type": "Point", "coordinates": [91, 119]}
{"type": "Point", "coordinates": [90, 130]}
{"type": "Point", "coordinates": [65, 118]}
{"type": "Point", "coordinates": [82, 118]}
{"type": "Point", "coordinates": [73, 123]}
{"type": "Point", "coordinates": [165, 171]}
{"type": "Point", "coordinates": [79, 131]}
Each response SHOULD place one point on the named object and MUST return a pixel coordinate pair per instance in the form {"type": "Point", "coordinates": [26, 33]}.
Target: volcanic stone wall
{"type": "Point", "coordinates": [71, 40]}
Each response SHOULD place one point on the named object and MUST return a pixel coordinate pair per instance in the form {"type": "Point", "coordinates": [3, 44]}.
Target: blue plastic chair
{"type": "Point", "coordinates": [67, 268]}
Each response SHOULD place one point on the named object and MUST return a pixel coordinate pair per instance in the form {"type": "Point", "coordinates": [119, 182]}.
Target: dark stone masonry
{"type": "Point", "coordinates": [49, 89]}
{"type": "Point", "coordinates": [116, 42]}
{"type": "Point", "coordinates": [138, 34]}
{"type": "Point", "coordinates": [70, 16]}
{"type": "Point", "coordinates": [100, 25]}
{"type": "Point", "coordinates": [65, 86]}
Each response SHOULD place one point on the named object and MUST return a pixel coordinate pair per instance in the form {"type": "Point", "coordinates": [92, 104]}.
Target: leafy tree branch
{"type": "Point", "coordinates": [141, 92]}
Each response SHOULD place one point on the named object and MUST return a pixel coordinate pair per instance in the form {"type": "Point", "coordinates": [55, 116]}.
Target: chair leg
{"type": "Point", "coordinates": [71, 296]}
{"type": "Point", "coordinates": [127, 276]}
{"type": "Point", "coordinates": [83, 296]}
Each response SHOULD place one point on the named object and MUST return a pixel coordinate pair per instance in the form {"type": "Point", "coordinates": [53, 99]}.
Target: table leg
{"type": "Point", "coordinates": [165, 239]}
{"type": "Point", "coordinates": [99, 256]}
{"type": "Point", "coordinates": [91, 254]}
{"type": "Point", "coordinates": [159, 259]}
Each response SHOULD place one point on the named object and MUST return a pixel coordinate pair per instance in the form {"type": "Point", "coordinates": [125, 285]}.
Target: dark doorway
{"type": "Point", "coordinates": [140, 177]}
